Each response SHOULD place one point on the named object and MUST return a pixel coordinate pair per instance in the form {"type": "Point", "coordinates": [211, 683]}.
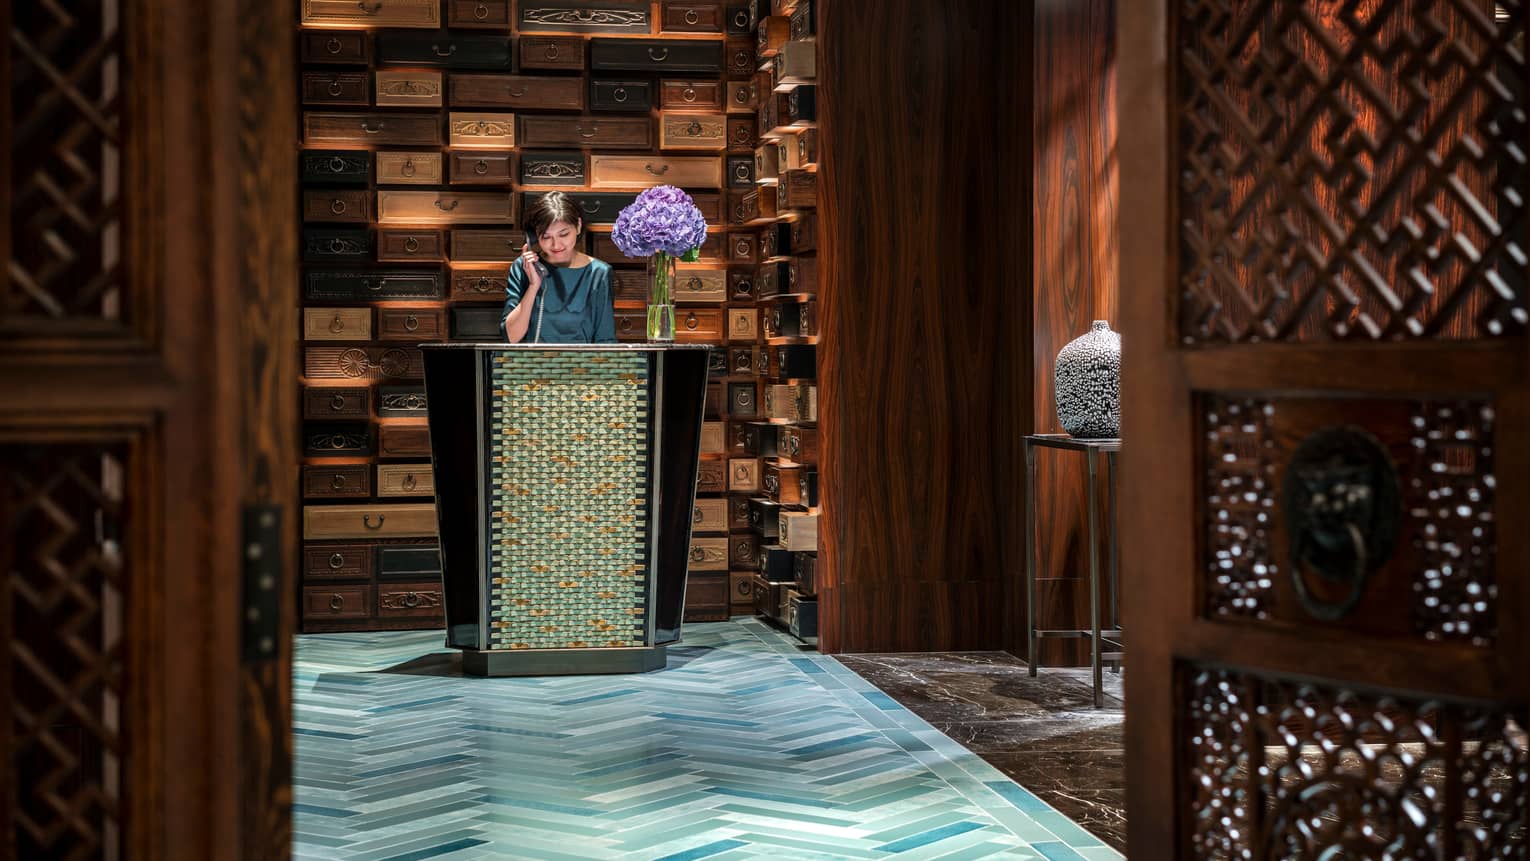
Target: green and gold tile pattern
{"type": "Point", "coordinates": [568, 504]}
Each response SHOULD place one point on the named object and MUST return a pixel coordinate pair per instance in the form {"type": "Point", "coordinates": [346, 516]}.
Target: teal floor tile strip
{"type": "Point", "coordinates": [746, 746]}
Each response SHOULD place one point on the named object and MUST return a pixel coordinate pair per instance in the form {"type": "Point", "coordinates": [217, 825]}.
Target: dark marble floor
{"type": "Point", "coordinates": [1043, 732]}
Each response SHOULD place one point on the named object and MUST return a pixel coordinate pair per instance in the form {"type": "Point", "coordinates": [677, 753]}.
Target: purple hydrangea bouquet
{"type": "Point", "coordinates": [665, 226]}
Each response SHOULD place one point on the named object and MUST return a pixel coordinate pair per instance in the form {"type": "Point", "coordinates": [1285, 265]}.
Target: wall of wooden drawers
{"type": "Point", "coordinates": [427, 127]}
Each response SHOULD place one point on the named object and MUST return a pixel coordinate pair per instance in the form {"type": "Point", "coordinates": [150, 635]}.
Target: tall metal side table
{"type": "Point", "coordinates": [1110, 638]}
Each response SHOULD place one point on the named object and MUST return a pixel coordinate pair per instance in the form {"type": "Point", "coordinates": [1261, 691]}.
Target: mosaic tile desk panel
{"type": "Point", "coordinates": [568, 500]}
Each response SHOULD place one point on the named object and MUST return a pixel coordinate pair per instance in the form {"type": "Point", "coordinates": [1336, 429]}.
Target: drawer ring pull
{"type": "Point", "coordinates": [481, 11]}
{"type": "Point", "coordinates": [411, 323]}
{"type": "Point", "coordinates": [337, 602]}
{"type": "Point", "coordinates": [689, 94]}
{"type": "Point", "coordinates": [373, 9]}
{"type": "Point", "coordinates": [368, 128]}
{"type": "Point", "coordinates": [337, 326]}
{"type": "Point", "coordinates": [660, 172]}
{"type": "Point", "coordinates": [411, 244]}
{"type": "Point", "coordinates": [337, 246]}
{"type": "Point", "coordinates": [696, 514]}
{"type": "Point", "coordinates": [334, 45]}
{"type": "Point", "coordinates": [580, 128]}
{"type": "Point", "coordinates": [698, 554]}
{"type": "Point", "coordinates": [485, 283]}
{"type": "Point", "coordinates": [373, 284]}
{"type": "Point", "coordinates": [337, 403]}
{"type": "Point", "coordinates": [447, 206]}
{"type": "Point", "coordinates": [694, 129]}
{"type": "Point", "coordinates": [660, 57]}
{"type": "Point", "coordinates": [691, 17]}
{"type": "Point", "coordinates": [337, 481]}
{"type": "Point", "coordinates": [481, 168]}
{"type": "Point", "coordinates": [337, 165]}
{"type": "Point", "coordinates": [336, 561]}
{"type": "Point", "coordinates": [336, 88]}
{"type": "Point", "coordinates": [515, 94]}
{"type": "Point", "coordinates": [691, 322]}
{"type": "Point", "coordinates": [407, 169]}
{"type": "Point", "coordinates": [694, 285]}
{"type": "Point", "coordinates": [411, 600]}
{"type": "Point", "coordinates": [552, 52]}
{"type": "Point", "coordinates": [592, 207]}
{"type": "Point", "coordinates": [741, 19]}
{"type": "Point", "coordinates": [366, 520]}
{"type": "Point", "coordinates": [337, 206]}
{"type": "Point", "coordinates": [741, 472]}
{"type": "Point", "coordinates": [409, 482]}
{"type": "Point", "coordinates": [745, 398]}
{"type": "Point", "coordinates": [619, 94]}
{"type": "Point", "coordinates": [450, 50]}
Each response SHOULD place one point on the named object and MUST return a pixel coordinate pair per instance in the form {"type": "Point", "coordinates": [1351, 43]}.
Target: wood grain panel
{"type": "Point", "coordinates": [918, 357]}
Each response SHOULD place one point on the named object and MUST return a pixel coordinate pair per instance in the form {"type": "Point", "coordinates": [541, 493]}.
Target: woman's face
{"type": "Point", "coordinates": [559, 242]}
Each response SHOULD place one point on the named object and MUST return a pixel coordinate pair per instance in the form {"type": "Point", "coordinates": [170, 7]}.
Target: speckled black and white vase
{"type": "Point", "coordinates": [1088, 384]}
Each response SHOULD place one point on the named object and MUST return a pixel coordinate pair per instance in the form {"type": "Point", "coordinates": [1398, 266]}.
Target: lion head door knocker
{"type": "Point", "coordinates": [1342, 507]}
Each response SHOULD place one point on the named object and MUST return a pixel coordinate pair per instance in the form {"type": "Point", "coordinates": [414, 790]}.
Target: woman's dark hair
{"type": "Point", "coordinates": [550, 207]}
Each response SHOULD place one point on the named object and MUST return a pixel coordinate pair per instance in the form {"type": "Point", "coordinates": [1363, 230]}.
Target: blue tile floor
{"type": "Point", "coordinates": [746, 746]}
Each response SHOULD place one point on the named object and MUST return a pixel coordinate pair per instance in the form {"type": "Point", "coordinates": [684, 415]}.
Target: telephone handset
{"type": "Point", "coordinates": [541, 267]}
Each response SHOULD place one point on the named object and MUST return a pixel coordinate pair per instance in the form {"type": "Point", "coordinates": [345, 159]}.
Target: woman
{"type": "Point", "coordinates": [571, 303]}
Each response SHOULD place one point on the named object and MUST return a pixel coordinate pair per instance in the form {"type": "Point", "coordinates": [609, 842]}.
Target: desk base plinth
{"type": "Point", "coordinates": [562, 662]}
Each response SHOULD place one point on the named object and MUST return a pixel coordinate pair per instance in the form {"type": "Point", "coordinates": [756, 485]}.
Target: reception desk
{"type": "Point", "coordinates": [565, 479]}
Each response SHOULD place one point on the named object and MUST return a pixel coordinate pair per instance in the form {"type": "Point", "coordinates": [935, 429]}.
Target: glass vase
{"type": "Point", "coordinates": [661, 298]}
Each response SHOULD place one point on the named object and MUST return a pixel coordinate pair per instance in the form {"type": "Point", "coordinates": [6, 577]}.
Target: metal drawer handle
{"type": "Point", "coordinates": [552, 51]}
{"type": "Point", "coordinates": [411, 600]}
{"type": "Point", "coordinates": [744, 287]}
{"type": "Point", "coordinates": [694, 285]}
{"type": "Point", "coordinates": [411, 244]}
{"type": "Point", "coordinates": [741, 550]}
{"type": "Point", "coordinates": [619, 94]}
{"type": "Point", "coordinates": [741, 472]}
{"type": "Point", "coordinates": [337, 481]}
{"type": "Point", "coordinates": [447, 206]}
{"type": "Point", "coordinates": [580, 128]}
{"type": "Point", "coordinates": [366, 520]}
{"type": "Point", "coordinates": [592, 207]}
{"type": "Point", "coordinates": [485, 283]}
{"type": "Point", "coordinates": [738, 211]}
{"type": "Point", "coordinates": [515, 94]}
{"type": "Point", "coordinates": [696, 514]}
{"type": "Point", "coordinates": [337, 165]}
{"type": "Point", "coordinates": [689, 94]}
{"type": "Point", "coordinates": [660, 57]}
{"type": "Point", "coordinates": [411, 323]}
{"type": "Point", "coordinates": [336, 561]}
{"type": "Point", "coordinates": [409, 482]}
{"type": "Point", "coordinates": [481, 168]}
{"type": "Point", "coordinates": [793, 445]}
{"type": "Point", "coordinates": [698, 554]}
{"type": "Point", "coordinates": [741, 95]}
{"type": "Point", "coordinates": [367, 127]}
{"type": "Point", "coordinates": [336, 245]}
{"type": "Point", "coordinates": [450, 50]}
{"type": "Point", "coordinates": [337, 326]}
{"type": "Point", "coordinates": [691, 321]}
{"type": "Point", "coordinates": [337, 403]}
{"type": "Point", "coordinates": [626, 324]}
{"type": "Point", "coordinates": [336, 88]}
{"type": "Point", "coordinates": [408, 167]}
{"type": "Point", "coordinates": [745, 398]}
{"type": "Point", "coordinates": [336, 602]}
{"type": "Point", "coordinates": [691, 17]}
{"type": "Point", "coordinates": [741, 19]}
{"type": "Point", "coordinates": [660, 172]}
{"type": "Point", "coordinates": [337, 206]}
{"type": "Point", "coordinates": [334, 45]}
{"type": "Point", "coordinates": [694, 129]}
{"type": "Point", "coordinates": [481, 11]}
{"type": "Point", "coordinates": [372, 10]}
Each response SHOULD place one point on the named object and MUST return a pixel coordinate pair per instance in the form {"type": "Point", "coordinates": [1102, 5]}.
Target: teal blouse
{"type": "Point", "coordinates": [574, 305]}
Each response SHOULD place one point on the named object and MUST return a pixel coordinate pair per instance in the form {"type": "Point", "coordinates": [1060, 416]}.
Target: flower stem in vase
{"type": "Point", "coordinates": [661, 303]}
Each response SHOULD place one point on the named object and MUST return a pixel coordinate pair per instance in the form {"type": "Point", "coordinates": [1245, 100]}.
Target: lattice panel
{"type": "Point", "coordinates": [64, 186]}
{"type": "Point", "coordinates": [65, 648]}
{"type": "Point", "coordinates": [1350, 169]}
{"type": "Point", "coordinates": [1452, 510]}
{"type": "Point", "coordinates": [1240, 488]}
{"type": "Point", "coordinates": [1282, 770]}
{"type": "Point", "coordinates": [569, 446]}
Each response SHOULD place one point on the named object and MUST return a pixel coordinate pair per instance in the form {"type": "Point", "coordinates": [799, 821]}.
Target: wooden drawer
{"type": "Point", "coordinates": [407, 246]}
{"type": "Point", "coordinates": [787, 155]}
{"type": "Point", "coordinates": [382, 129]}
{"type": "Point", "coordinates": [323, 561]}
{"type": "Point", "coordinates": [796, 63]}
{"type": "Point", "coordinates": [474, 285]}
{"type": "Point", "coordinates": [538, 93]}
{"type": "Point", "coordinates": [348, 285]}
{"type": "Point", "coordinates": [414, 89]}
{"type": "Point", "coordinates": [551, 168]}
{"type": "Point", "coordinates": [680, 16]}
{"type": "Point", "coordinates": [710, 516]}
{"type": "Point", "coordinates": [481, 131]}
{"type": "Point", "coordinates": [804, 25]}
{"type": "Point", "coordinates": [583, 16]}
{"type": "Point", "coordinates": [403, 440]}
{"type": "Point", "coordinates": [807, 487]}
{"type": "Point", "coordinates": [736, 17]}
{"type": "Point", "coordinates": [706, 597]}
{"type": "Point", "coordinates": [408, 562]}
{"type": "Point", "coordinates": [337, 324]}
{"type": "Point", "coordinates": [596, 208]}
{"type": "Point", "coordinates": [710, 204]}
{"type": "Point", "coordinates": [743, 400]}
{"type": "Point", "coordinates": [698, 325]}
{"type": "Point", "coordinates": [323, 603]}
{"type": "Point", "coordinates": [807, 148]}
{"type": "Point", "coordinates": [377, 13]}
{"type": "Point", "coordinates": [715, 403]}
{"type": "Point", "coordinates": [631, 325]}
{"type": "Point", "coordinates": [348, 47]}
{"type": "Point", "coordinates": [337, 440]}
{"type": "Point", "coordinates": [743, 475]}
{"type": "Point", "coordinates": [792, 361]}
{"type": "Point", "coordinates": [447, 207]}
{"type": "Point", "coordinates": [488, 246]}
{"type": "Point", "coordinates": [491, 14]}
{"type": "Point", "coordinates": [408, 168]}
{"type": "Point", "coordinates": [767, 161]}
{"type": "Point", "coordinates": [480, 323]}
{"type": "Point", "coordinates": [410, 324]}
{"type": "Point", "coordinates": [563, 53]}
{"type": "Point", "coordinates": [717, 362]}
{"type": "Point", "coordinates": [743, 324]}
{"type": "Point", "coordinates": [741, 592]}
{"type": "Point", "coordinates": [712, 476]}
{"type": "Point", "coordinates": [744, 550]}
{"type": "Point", "coordinates": [401, 402]}
{"type": "Point", "coordinates": [743, 249]}
{"type": "Point", "coordinates": [608, 95]}
{"type": "Point", "coordinates": [626, 171]}
{"type": "Point", "coordinates": [776, 240]}
{"type": "Point", "coordinates": [740, 172]}
{"type": "Point", "coordinates": [482, 168]}
{"type": "Point", "coordinates": [780, 484]}
{"type": "Point", "coordinates": [708, 554]}
{"type": "Point", "coordinates": [799, 530]}
{"type": "Point", "coordinates": [742, 136]}
{"type": "Point", "coordinates": [761, 204]}
{"type": "Point", "coordinates": [362, 363]}
{"type": "Point", "coordinates": [337, 246]}
{"type": "Point", "coordinates": [691, 95]}
{"type": "Point", "coordinates": [738, 512]}
{"type": "Point", "coordinates": [798, 190]}
{"type": "Point", "coordinates": [738, 53]}
{"type": "Point", "coordinates": [803, 276]}
{"type": "Point", "coordinates": [760, 439]}
{"type": "Point", "coordinates": [602, 246]}
{"type": "Point", "coordinates": [410, 600]}
{"type": "Point", "coordinates": [798, 403]}
{"type": "Point", "coordinates": [599, 132]}
{"type": "Point", "coordinates": [335, 88]}
{"type": "Point", "coordinates": [337, 206]}
{"type": "Point", "coordinates": [701, 285]}
{"type": "Point", "coordinates": [405, 479]}
{"type": "Point", "coordinates": [740, 97]}
{"type": "Point", "coordinates": [324, 402]}
{"type": "Point", "coordinates": [336, 482]}
{"type": "Point", "coordinates": [801, 106]}
{"type": "Point", "coordinates": [771, 280]}
{"type": "Point", "coordinates": [800, 445]}
{"type": "Point", "coordinates": [807, 316]}
{"type": "Point", "coordinates": [764, 517]}
{"type": "Point", "coordinates": [769, 115]}
{"type": "Point", "coordinates": [693, 131]}
{"type": "Point", "coordinates": [655, 55]}
{"type": "Point", "coordinates": [336, 167]}
{"type": "Point", "coordinates": [772, 32]}
{"type": "Point", "coordinates": [714, 438]}
{"type": "Point", "coordinates": [452, 50]}
{"type": "Point", "coordinates": [741, 286]}
{"type": "Point", "coordinates": [740, 360]}
{"type": "Point", "coordinates": [630, 286]}
{"type": "Point", "coordinates": [714, 247]}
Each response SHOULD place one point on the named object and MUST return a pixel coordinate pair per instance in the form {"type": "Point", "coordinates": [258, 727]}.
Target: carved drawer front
{"type": "Point", "coordinates": [396, 520]}
{"type": "Point", "coordinates": [764, 517]}
{"type": "Point", "coordinates": [627, 171]}
{"type": "Point", "coordinates": [584, 16]}
{"type": "Point", "coordinates": [595, 207]}
{"type": "Point", "coordinates": [710, 516]}
{"type": "Point", "coordinates": [410, 600]}
{"type": "Point", "coordinates": [417, 89]}
{"type": "Point", "coordinates": [713, 438]}
{"type": "Point", "coordinates": [743, 475]}
{"type": "Point", "coordinates": [481, 130]}
{"type": "Point", "coordinates": [337, 561]}
{"type": "Point", "coordinates": [742, 136]}
{"type": "Point", "coordinates": [800, 445]}
{"type": "Point", "coordinates": [383, 129]}
{"type": "Point", "coordinates": [337, 245]}
{"type": "Point", "coordinates": [741, 592]}
{"type": "Point", "coordinates": [738, 54]}
{"type": "Point", "coordinates": [740, 172]}
{"type": "Point", "coordinates": [701, 285]}
{"type": "Point", "coordinates": [631, 325]}
{"type": "Point", "coordinates": [327, 402]}
{"type": "Point", "coordinates": [760, 439]}
{"type": "Point", "coordinates": [410, 324]}
{"type": "Point", "coordinates": [336, 46]}
{"type": "Point", "coordinates": [487, 246]}
{"type": "Point", "coordinates": [405, 479]}
{"type": "Point", "coordinates": [408, 168]}
{"type": "Point", "coordinates": [693, 131]}
{"type": "Point", "coordinates": [477, 285]}
{"type": "Point", "coordinates": [336, 167]}
{"type": "Point", "coordinates": [807, 316]}
{"type": "Point", "coordinates": [599, 132]}
{"type": "Point", "coordinates": [372, 13]}
{"type": "Point", "coordinates": [691, 95]}
{"type": "Point", "coordinates": [708, 554]}
{"type": "Point", "coordinates": [715, 402]}
{"type": "Point", "coordinates": [333, 482]}
{"type": "Point", "coordinates": [712, 476]}
{"type": "Point", "coordinates": [337, 205]}
{"type": "Point", "coordinates": [565, 53]}
{"type": "Point", "coordinates": [698, 325]}
{"type": "Point", "coordinates": [738, 512]}
{"type": "Point", "coordinates": [362, 364]}
{"type": "Point", "coordinates": [743, 324]}
{"type": "Point", "coordinates": [335, 88]}
{"type": "Point", "coordinates": [493, 14]}
{"type": "Point", "coordinates": [337, 324]}
{"type": "Point", "coordinates": [743, 249]}
{"type": "Point", "coordinates": [337, 440]}
{"type": "Point", "coordinates": [798, 190]}
{"type": "Point", "coordinates": [401, 402]}
{"type": "Point", "coordinates": [780, 484]}
{"type": "Point", "coordinates": [744, 550]}
{"type": "Point", "coordinates": [419, 562]}
{"type": "Point", "coordinates": [629, 286]}
{"type": "Point", "coordinates": [740, 97]}
{"type": "Point", "coordinates": [655, 55]}
{"type": "Point", "coordinates": [322, 603]}
{"type": "Point", "coordinates": [479, 323]}
{"type": "Point", "coordinates": [526, 92]}
{"type": "Point", "coordinates": [407, 246]}
{"type": "Point", "coordinates": [452, 50]}
{"type": "Point", "coordinates": [738, 360]}
{"type": "Point", "coordinates": [799, 530]}
{"type": "Point", "coordinates": [612, 95]}
{"type": "Point", "coordinates": [689, 17]}
{"type": "Point", "coordinates": [399, 440]}
{"type": "Point", "coordinates": [551, 168]}
{"type": "Point", "coordinates": [449, 207]}
{"type": "Point", "coordinates": [772, 32]}
{"type": "Point", "coordinates": [741, 286]}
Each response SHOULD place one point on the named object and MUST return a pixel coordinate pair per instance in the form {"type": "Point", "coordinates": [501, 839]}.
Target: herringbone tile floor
{"type": "Point", "coordinates": [744, 747]}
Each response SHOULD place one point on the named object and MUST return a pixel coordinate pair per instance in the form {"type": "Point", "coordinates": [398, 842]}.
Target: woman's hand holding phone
{"type": "Point", "coordinates": [530, 263]}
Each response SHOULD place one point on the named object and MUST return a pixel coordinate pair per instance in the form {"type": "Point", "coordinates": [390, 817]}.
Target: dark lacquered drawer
{"type": "Point", "coordinates": [744, 550]}
{"type": "Point", "coordinates": [324, 402]}
{"type": "Point", "coordinates": [712, 476]}
{"type": "Point", "coordinates": [740, 57]}
{"type": "Point", "coordinates": [739, 360]}
{"type": "Point", "coordinates": [742, 135]}
{"type": "Point", "coordinates": [410, 324]}
{"type": "Point", "coordinates": [772, 279]}
{"type": "Point", "coordinates": [493, 14]}
{"type": "Point", "coordinates": [803, 276]}
{"type": "Point", "coordinates": [631, 325]}
{"type": "Point", "coordinates": [715, 401]}
{"type": "Point", "coordinates": [776, 564]}
{"type": "Point", "coordinates": [523, 92]}
{"type": "Point", "coordinates": [401, 401]}
{"type": "Point", "coordinates": [336, 561]}
{"type": "Point", "coordinates": [743, 249]}
{"type": "Point", "coordinates": [482, 168]}
{"type": "Point", "coordinates": [347, 47]}
{"type": "Point", "coordinates": [805, 571]}
{"type": "Point", "coordinates": [690, 95]}
{"type": "Point", "coordinates": [405, 246]}
{"type": "Point", "coordinates": [595, 207]}
{"type": "Point", "coordinates": [738, 513]}
{"type": "Point", "coordinates": [383, 129]}
{"type": "Point", "coordinates": [476, 324]}
{"type": "Point", "coordinates": [604, 247]}
{"type": "Point", "coordinates": [347, 285]}
{"type": "Point", "coordinates": [336, 167]}
{"type": "Point", "coordinates": [480, 285]}
{"type": "Point", "coordinates": [681, 16]}
{"type": "Point", "coordinates": [408, 561]}
{"type": "Point", "coordinates": [337, 246]}
{"type": "Point", "coordinates": [616, 95]}
{"type": "Point", "coordinates": [552, 168]}
{"type": "Point", "coordinates": [807, 147]}
{"type": "Point", "coordinates": [338, 205]}
{"type": "Point", "coordinates": [409, 600]}
{"type": "Point", "coordinates": [804, 25]}
{"type": "Point", "coordinates": [736, 18]}
{"type": "Point", "coordinates": [761, 439]}
{"type": "Point", "coordinates": [804, 233]}
{"type": "Point", "coordinates": [336, 88]}
{"type": "Point", "coordinates": [801, 106]}
{"type": "Point", "coordinates": [743, 400]}
{"type": "Point", "coordinates": [452, 50]}
{"type": "Point", "coordinates": [740, 173]}
{"type": "Point", "coordinates": [794, 362]}
{"type": "Point", "coordinates": [563, 53]}
{"type": "Point", "coordinates": [488, 246]}
{"type": "Point", "coordinates": [337, 440]}
{"type": "Point", "coordinates": [655, 55]}
{"type": "Point", "coordinates": [337, 602]}
{"type": "Point", "coordinates": [764, 517]}
{"type": "Point", "coordinates": [717, 364]}
{"type": "Point", "coordinates": [741, 285]}
{"type": "Point", "coordinates": [598, 132]}
{"type": "Point", "coordinates": [400, 440]}
{"type": "Point", "coordinates": [583, 16]}
{"type": "Point", "coordinates": [345, 481]}
{"type": "Point", "coordinates": [807, 488]}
